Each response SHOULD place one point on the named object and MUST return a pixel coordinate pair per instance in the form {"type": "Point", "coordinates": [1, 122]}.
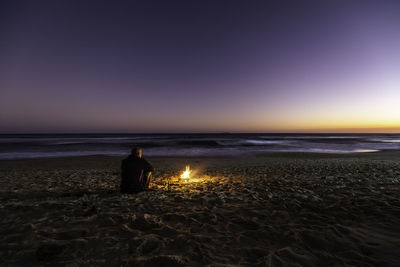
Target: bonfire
{"type": "Point", "coordinates": [188, 178]}
{"type": "Point", "coordinates": [186, 174]}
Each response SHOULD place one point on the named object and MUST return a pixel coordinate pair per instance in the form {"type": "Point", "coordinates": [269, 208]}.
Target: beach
{"type": "Point", "coordinates": [270, 209]}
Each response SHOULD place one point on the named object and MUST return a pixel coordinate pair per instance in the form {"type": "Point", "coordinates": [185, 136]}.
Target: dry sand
{"type": "Point", "coordinates": [279, 209]}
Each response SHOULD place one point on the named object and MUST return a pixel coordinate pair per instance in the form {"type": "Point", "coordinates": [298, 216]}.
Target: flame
{"type": "Point", "coordinates": [186, 174]}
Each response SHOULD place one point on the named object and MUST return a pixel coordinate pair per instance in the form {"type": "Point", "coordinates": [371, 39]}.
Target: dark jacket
{"type": "Point", "coordinates": [132, 170]}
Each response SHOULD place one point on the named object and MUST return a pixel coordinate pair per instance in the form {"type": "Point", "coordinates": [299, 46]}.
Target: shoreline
{"type": "Point", "coordinates": [92, 160]}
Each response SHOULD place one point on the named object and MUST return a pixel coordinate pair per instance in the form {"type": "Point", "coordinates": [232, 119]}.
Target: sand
{"type": "Point", "coordinates": [278, 209]}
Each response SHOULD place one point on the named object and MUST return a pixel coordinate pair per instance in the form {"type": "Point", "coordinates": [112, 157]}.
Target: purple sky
{"type": "Point", "coordinates": [199, 66]}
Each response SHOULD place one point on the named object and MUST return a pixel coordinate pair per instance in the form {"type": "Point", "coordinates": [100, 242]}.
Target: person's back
{"type": "Point", "coordinates": [134, 172]}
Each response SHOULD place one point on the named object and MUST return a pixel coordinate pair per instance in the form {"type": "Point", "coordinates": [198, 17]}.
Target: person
{"type": "Point", "coordinates": [135, 173]}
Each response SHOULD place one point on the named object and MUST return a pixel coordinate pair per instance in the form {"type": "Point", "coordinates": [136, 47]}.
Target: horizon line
{"type": "Point", "coordinates": [205, 132]}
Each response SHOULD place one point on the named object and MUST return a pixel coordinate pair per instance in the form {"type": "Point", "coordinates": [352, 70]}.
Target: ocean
{"type": "Point", "coordinates": [15, 146]}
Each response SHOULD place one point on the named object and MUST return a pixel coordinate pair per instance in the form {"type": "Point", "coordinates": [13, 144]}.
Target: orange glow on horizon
{"type": "Point", "coordinates": [330, 128]}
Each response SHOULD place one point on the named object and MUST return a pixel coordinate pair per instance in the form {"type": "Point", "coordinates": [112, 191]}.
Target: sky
{"type": "Point", "coordinates": [199, 66]}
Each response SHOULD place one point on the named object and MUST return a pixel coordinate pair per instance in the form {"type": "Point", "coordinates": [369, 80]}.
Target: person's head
{"type": "Point", "coordinates": [137, 152]}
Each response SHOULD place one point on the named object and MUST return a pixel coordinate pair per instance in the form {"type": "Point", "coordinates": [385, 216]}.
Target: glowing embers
{"type": "Point", "coordinates": [188, 176]}
{"type": "Point", "coordinates": [188, 180]}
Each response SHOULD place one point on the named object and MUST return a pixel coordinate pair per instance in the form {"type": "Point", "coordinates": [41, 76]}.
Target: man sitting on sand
{"type": "Point", "coordinates": [135, 173]}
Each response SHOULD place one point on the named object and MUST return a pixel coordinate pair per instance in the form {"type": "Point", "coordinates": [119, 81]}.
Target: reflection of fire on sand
{"type": "Point", "coordinates": [188, 180]}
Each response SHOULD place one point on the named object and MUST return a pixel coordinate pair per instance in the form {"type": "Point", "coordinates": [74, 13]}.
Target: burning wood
{"type": "Point", "coordinates": [186, 173]}
{"type": "Point", "coordinates": [188, 178]}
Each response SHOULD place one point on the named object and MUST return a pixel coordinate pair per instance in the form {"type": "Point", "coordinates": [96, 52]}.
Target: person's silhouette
{"type": "Point", "coordinates": [135, 172]}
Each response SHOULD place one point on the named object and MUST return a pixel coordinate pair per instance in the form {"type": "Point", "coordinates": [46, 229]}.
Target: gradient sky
{"type": "Point", "coordinates": [199, 66]}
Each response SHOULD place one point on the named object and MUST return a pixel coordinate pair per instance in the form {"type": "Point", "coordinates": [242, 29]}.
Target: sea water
{"type": "Point", "coordinates": [58, 145]}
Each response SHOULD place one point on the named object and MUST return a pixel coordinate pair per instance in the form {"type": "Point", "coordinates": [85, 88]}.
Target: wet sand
{"type": "Point", "coordinates": [278, 209]}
